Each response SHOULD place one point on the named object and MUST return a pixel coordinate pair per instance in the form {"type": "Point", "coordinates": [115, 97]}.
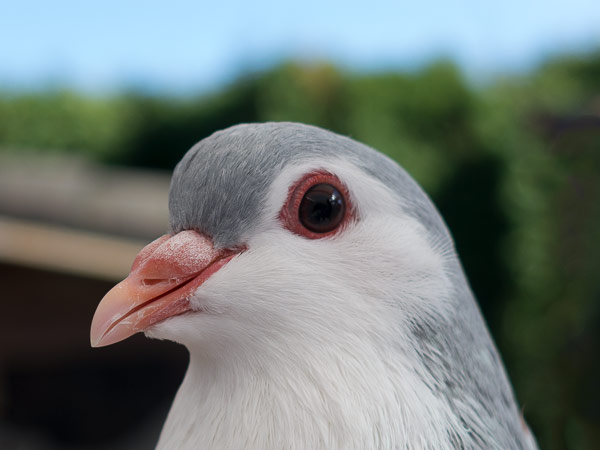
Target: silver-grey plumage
{"type": "Point", "coordinates": [219, 189]}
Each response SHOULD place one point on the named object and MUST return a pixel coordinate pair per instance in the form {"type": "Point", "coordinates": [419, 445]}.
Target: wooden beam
{"type": "Point", "coordinates": [66, 250]}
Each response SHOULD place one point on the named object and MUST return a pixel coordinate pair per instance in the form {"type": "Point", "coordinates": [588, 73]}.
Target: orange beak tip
{"type": "Point", "coordinates": [162, 280]}
{"type": "Point", "coordinates": [117, 334]}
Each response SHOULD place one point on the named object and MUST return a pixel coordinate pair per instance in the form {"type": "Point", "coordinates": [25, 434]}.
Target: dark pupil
{"type": "Point", "coordinates": [322, 208]}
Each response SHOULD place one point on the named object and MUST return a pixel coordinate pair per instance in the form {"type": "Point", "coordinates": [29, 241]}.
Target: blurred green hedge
{"type": "Point", "coordinates": [513, 166]}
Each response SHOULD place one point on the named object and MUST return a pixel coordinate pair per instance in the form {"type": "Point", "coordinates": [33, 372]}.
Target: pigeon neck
{"type": "Point", "coordinates": [332, 400]}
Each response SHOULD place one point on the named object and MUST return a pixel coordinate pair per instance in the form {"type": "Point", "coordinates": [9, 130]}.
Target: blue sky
{"type": "Point", "coordinates": [186, 45]}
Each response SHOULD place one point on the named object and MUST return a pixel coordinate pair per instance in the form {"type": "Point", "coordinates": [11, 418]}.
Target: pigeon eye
{"type": "Point", "coordinates": [322, 208]}
{"type": "Point", "coordinates": [318, 206]}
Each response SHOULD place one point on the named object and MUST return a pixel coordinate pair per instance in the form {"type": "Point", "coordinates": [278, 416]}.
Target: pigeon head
{"type": "Point", "coordinates": [321, 299]}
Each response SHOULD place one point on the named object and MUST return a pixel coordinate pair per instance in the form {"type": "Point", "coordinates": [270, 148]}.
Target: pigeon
{"type": "Point", "coordinates": [322, 302]}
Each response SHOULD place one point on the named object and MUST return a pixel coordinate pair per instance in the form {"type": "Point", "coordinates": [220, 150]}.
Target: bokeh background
{"type": "Point", "coordinates": [493, 107]}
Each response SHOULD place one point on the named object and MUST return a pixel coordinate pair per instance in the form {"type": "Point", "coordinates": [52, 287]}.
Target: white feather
{"type": "Point", "coordinates": [305, 344]}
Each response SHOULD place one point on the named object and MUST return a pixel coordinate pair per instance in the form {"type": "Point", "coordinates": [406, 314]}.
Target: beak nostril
{"type": "Point", "coordinates": [155, 281]}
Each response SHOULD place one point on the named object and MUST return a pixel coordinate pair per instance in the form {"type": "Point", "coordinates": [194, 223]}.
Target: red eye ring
{"type": "Point", "coordinates": [290, 215]}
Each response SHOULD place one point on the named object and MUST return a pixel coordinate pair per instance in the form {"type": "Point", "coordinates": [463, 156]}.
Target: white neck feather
{"type": "Point", "coordinates": [334, 402]}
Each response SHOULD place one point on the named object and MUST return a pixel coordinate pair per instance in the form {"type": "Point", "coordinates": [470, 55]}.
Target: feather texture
{"type": "Point", "coordinates": [370, 339]}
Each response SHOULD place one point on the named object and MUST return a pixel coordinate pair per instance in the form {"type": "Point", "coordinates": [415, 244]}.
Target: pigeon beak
{"type": "Point", "coordinates": [163, 277]}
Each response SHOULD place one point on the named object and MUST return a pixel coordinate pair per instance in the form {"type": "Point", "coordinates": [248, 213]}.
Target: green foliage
{"type": "Point", "coordinates": [61, 121]}
{"type": "Point", "coordinates": [513, 167]}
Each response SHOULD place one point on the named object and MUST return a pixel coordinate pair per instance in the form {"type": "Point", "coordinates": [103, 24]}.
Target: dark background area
{"type": "Point", "coordinates": [513, 165]}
